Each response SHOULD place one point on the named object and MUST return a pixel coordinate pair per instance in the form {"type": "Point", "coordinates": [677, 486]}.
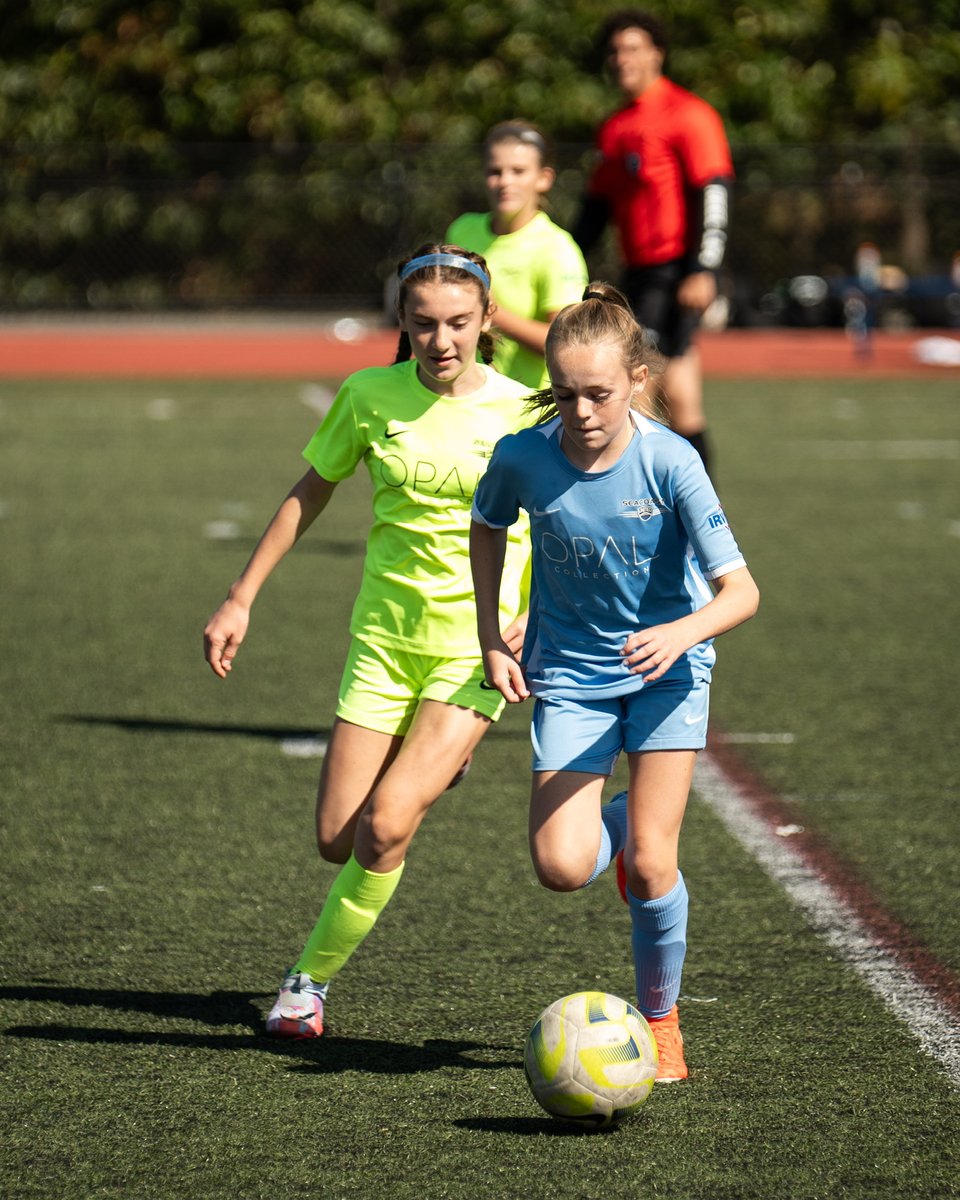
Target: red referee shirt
{"type": "Point", "coordinates": [652, 152]}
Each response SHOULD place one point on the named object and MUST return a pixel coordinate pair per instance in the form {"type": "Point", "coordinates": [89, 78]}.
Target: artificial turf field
{"type": "Point", "coordinates": [158, 868]}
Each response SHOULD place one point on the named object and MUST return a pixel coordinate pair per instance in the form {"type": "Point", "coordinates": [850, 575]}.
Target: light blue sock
{"type": "Point", "coordinates": [613, 833]}
{"type": "Point", "coordinates": [659, 947]}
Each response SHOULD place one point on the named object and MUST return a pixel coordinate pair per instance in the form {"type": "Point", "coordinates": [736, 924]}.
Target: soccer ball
{"type": "Point", "coordinates": [590, 1059]}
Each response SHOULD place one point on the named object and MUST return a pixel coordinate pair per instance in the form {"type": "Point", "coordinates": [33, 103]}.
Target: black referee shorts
{"type": "Point", "coordinates": [652, 292]}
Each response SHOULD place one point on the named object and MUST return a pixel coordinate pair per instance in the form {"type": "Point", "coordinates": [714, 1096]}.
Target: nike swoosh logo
{"type": "Point", "coordinates": [692, 720]}
{"type": "Point", "coordinates": [544, 512]}
{"type": "Point", "coordinates": [487, 687]}
{"type": "Point", "coordinates": [396, 433]}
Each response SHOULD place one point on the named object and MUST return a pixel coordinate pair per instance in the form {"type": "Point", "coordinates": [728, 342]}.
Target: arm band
{"type": "Point", "coordinates": [714, 215]}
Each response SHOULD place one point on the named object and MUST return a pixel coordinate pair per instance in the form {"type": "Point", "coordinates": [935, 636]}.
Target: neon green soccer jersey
{"type": "Point", "coordinates": [425, 454]}
{"type": "Point", "coordinates": [535, 272]}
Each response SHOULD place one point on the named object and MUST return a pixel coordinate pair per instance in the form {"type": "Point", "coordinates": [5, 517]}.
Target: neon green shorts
{"type": "Point", "coordinates": [381, 687]}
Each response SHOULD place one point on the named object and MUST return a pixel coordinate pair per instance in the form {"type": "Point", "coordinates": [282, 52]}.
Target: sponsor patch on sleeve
{"type": "Point", "coordinates": [716, 520]}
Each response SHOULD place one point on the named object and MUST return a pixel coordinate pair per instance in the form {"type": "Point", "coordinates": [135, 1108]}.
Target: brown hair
{"type": "Point", "coordinates": [603, 315]}
{"type": "Point", "coordinates": [524, 132]}
{"type": "Point", "coordinates": [444, 273]}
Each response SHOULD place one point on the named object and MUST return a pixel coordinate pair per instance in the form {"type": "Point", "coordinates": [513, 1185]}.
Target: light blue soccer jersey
{"type": "Point", "coordinates": [613, 552]}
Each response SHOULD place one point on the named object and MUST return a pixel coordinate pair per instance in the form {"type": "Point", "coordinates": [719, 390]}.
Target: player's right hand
{"type": "Point", "coordinates": [514, 633]}
{"type": "Point", "coordinates": [223, 634]}
{"type": "Point", "coordinates": [504, 673]}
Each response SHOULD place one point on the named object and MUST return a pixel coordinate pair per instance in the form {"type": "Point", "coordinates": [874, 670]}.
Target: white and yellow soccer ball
{"type": "Point", "coordinates": [590, 1059]}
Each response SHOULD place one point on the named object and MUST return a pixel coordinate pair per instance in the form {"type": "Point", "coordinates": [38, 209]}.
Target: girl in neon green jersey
{"type": "Point", "coordinates": [537, 266]}
{"type": "Point", "coordinates": [411, 705]}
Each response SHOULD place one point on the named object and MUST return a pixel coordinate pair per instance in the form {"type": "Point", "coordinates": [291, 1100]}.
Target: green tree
{"type": "Point", "coordinates": [412, 70]}
{"type": "Point", "coordinates": [213, 135]}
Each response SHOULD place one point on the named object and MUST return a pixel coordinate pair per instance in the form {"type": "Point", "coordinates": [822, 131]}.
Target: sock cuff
{"type": "Point", "coordinates": [613, 817]}
{"type": "Point", "coordinates": [670, 906]}
{"type": "Point", "coordinates": [354, 902]}
{"type": "Point", "coordinates": [369, 886]}
{"type": "Point", "coordinates": [604, 855]}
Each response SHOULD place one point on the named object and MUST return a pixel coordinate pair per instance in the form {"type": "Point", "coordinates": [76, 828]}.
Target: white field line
{"type": "Point", "coordinates": [834, 919]}
{"type": "Point", "coordinates": [304, 747]}
{"type": "Point", "coordinates": [162, 409]}
{"type": "Point", "coordinates": [221, 531]}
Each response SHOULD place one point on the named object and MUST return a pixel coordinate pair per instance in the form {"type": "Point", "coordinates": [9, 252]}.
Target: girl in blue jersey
{"type": "Point", "coordinates": [635, 571]}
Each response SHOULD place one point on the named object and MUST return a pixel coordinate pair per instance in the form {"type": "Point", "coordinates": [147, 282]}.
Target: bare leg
{"type": "Point", "coordinates": [375, 790]}
{"type": "Point", "coordinates": [355, 762]}
{"type": "Point", "coordinates": [683, 393]}
{"type": "Point", "coordinates": [659, 786]}
{"type": "Point", "coordinates": [377, 793]}
{"type": "Point", "coordinates": [565, 827]}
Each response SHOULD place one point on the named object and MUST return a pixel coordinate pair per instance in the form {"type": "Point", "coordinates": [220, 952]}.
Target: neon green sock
{"type": "Point", "coordinates": [355, 900]}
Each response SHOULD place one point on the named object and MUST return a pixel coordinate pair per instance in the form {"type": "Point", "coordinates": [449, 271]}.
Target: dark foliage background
{"type": "Point", "coordinates": [223, 153]}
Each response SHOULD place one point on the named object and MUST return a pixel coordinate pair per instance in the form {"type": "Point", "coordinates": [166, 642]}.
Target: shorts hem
{"type": "Point", "coordinates": [669, 744]}
{"type": "Point", "coordinates": [491, 708]}
{"type": "Point", "coordinates": [379, 723]}
{"type": "Point", "coordinates": [605, 768]}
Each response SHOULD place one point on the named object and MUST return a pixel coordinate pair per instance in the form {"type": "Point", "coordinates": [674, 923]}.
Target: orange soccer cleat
{"type": "Point", "coordinates": [669, 1039]}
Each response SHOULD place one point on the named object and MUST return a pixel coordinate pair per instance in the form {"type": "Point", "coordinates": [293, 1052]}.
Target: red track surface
{"type": "Point", "coordinates": [221, 349]}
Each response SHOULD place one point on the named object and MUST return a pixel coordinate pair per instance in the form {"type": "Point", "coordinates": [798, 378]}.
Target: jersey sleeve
{"type": "Point", "coordinates": [704, 519]}
{"type": "Point", "coordinates": [702, 145]}
{"type": "Point", "coordinates": [339, 444]}
{"type": "Point", "coordinates": [456, 232]}
{"type": "Point", "coordinates": [496, 502]}
{"type": "Point", "coordinates": [565, 275]}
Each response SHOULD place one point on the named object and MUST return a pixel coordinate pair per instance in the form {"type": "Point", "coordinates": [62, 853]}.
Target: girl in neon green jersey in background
{"type": "Point", "coordinates": [537, 266]}
{"type": "Point", "coordinates": [411, 707]}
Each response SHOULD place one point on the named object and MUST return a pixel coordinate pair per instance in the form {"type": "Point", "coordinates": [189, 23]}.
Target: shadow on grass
{"type": "Point", "coordinates": [272, 733]}
{"type": "Point", "coordinates": [213, 1008]}
{"type": "Point", "coordinates": [329, 1056]}
{"type": "Point", "coordinates": [530, 1127]}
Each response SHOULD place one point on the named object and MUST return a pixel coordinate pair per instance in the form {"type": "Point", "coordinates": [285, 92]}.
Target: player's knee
{"type": "Point", "coordinates": [650, 874]}
{"type": "Point", "coordinates": [384, 830]}
{"type": "Point", "coordinates": [558, 873]}
{"type": "Point", "coordinates": [335, 845]}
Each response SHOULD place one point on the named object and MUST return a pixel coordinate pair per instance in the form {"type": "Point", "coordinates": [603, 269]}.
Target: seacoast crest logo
{"type": "Point", "coordinates": [643, 510]}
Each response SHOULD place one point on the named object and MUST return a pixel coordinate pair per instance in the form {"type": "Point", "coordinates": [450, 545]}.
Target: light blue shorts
{"type": "Point", "coordinates": [588, 735]}
{"type": "Point", "coordinates": [382, 687]}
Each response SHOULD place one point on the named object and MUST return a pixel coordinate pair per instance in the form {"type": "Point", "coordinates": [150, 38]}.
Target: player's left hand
{"type": "Point", "coordinates": [652, 652]}
{"type": "Point", "coordinates": [697, 291]}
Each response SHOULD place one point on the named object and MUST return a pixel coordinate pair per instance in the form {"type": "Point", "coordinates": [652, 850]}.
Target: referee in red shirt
{"type": "Point", "coordinates": [664, 177]}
